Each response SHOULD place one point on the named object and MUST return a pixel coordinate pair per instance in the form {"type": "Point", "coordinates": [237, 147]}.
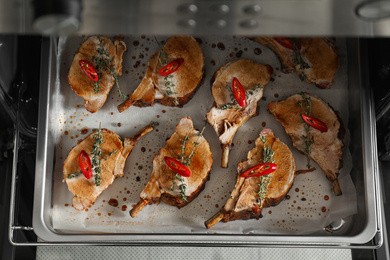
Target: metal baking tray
{"type": "Point", "coordinates": [361, 230]}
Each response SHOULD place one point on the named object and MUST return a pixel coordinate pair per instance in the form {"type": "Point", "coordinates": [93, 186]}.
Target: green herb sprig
{"type": "Point", "coordinates": [73, 175]}
{"type": "Point", "coordinates": [104, 63]}
{"type": "Point", "coordinates": [96, 153]}
{"type": "Point", "coordinates": [308, 139]}
{"type": "Point", "coordinates": [187, 162]}
{"type": "Point", "coordinates": [297, 58]}
{"type": "Point", "coordinates": [265, 179]}
{"type": "Point", "coordinates": [234, 103]}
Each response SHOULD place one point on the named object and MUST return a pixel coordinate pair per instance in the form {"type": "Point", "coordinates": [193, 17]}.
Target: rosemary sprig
{"type": "Point", "coordinates": [305, 105]}
{"type": "Point", "coordinates": [96, 153]}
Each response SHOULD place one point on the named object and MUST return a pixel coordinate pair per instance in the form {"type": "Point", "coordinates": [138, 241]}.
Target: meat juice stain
{"type": "Point", "coordinates": [221, 46]}
{"type": "Point", "coordinates": [163, 111]}
{"type": "Point", "coordinates": [124, 208]}
{"type": "Point", "coordinates": [137, 63]}
{"type": "Point", "coordinates": [326, 197]}
{"type": "Point", "coordinates": [158, 116]}
{"type": "Point", "coordinates": [135, 43]}
{"type": "Point", "coordinates": [199, 40]}
{"type": "Point", "coordinates": [213, 62]}
{"type": "Point", "coordinates": [66, 205]}
{"type": "Point", "coordinates": [119, 124]}
{"type": "Point", "coordinates": [276, 95]}
{"type": "Point", "coordinates": [113, 202]}
{"type": "Point", "coordinates": [143, 149]}
{"type": "Point", "coordinates": [257, 51]}
{"type": "Point", "coordinates": [296, 189]}
{"type": "Point", "coordinates": [112, 113]}
{"type": "Point", "coordinates": [213, 45]}
{"type": "Point", "coordinates": [109, 214]}
{"type": "Point", "coordinates": [263, 124]}
{"type": "Point", "coordinates": [66, 132]}
{"type": "Point", "coordinates": [84, 130]}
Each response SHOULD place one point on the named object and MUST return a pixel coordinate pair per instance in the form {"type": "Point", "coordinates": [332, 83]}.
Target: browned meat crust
{"type": "Point", "coordinates": [187, 78]}
{"type": "Point", "coordinates": [320, 54]}
{"type": "Point", "coordinates": [245, 202]}
{"type": "Point", "coordinates": [326, 150]}
{"type": "Point", "coordinates": [84, 86]}
{"type": "Point", "coordinates": [162, 184]}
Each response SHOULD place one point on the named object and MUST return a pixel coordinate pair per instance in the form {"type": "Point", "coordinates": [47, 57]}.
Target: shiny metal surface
{"type": "Point", "coordinates": [245, 17]}
{"type": "Point", "coordinates": [363, 231]}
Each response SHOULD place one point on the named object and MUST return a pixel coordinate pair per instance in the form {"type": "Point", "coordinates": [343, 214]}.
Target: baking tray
{"type": "Point", "coordinates": [361, 229]}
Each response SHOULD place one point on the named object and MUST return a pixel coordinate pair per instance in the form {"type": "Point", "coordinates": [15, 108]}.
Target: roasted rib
{"type": "Point", "coordinates": [112, 160]}
{"type": "Point", "coordinates": [251, 195]}
{"type": "Point", "coordinates": [177, 88]}
{"type": "Point", "coordinates": [326, 149]}
{"type": "Point", "coordinates": [226, 117]}
{"type": "Point", "coordinates": [164, 184]}
{"type": "Point", "coordinates": [315, 59]}
{"type": "Point", "coordinates": [97, 50]}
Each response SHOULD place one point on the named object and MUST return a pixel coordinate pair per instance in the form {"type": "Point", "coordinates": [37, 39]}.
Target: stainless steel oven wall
{"type": "Point", "coordinates": [276, 17]}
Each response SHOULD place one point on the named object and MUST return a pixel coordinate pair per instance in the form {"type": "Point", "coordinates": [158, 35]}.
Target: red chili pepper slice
{"type": "Point", "coordinates": [239, 92]}
{"type": "Point", "coordinates": [171, 67]}
{"type": "Point", "coordinates": [286, 43]}
{"type": "Point", "coordinates": [315, 123]}
{"type": "Point", "coordinates": [177, 166]}
{"type": "Point", "coordinates": [259, 170]}
{"type": "Point", "coordinates": [85, 164]}
{"type": "Point", "coordinates": [89, 70]}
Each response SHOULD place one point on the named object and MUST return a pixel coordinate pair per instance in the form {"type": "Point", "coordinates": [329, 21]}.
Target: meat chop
{"type": "Point", "coordinates": [112, 161]}
{"type": "Point", "coordinates": [164, 184]}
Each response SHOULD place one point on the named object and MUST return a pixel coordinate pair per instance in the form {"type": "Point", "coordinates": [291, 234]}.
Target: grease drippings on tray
{"type": "Point", "coordinates": [257, 51]}
{"type": "Point", "coordinates": [221, 46]}
{"type": "Point", "coordinates": [113, 202]}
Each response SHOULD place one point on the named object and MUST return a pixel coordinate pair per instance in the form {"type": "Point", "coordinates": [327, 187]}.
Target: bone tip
{"type": "Point", "coordinates": [336, 188]}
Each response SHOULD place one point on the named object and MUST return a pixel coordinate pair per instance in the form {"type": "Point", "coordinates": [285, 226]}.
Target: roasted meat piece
{"type": "Point", "coordinates": [325, 148]}
{"type": "Point", "coordinates": [315, 59]}
{"type": "Point", "coordinates": [176, 88]}
{"type": "Point", "coordinates": [186, 145]}
{"type": "Point", "coordinates": [105, 57]}
{"type": "Point", "coordinates": [227, 116]}
{"type": "Point", "coordinates": [250, 195]}
{"type": "Point", "coordinates": [112, 162]}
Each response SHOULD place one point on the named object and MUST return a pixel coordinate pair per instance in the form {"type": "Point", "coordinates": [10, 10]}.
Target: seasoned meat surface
{"type": "Point", "coordinates": [112, 160]}
{"type": "Point", "coordinates": [326, 149]}
{"type": "Point", "coordinates": [95, 93]}
{"type": "Point", "coordinates": [162, 184]}
{"type": "Point", "coordinates": [245, 201]}
{"type": "Point", "coordinates": [177, 88]}
{"type": "Point", "coordinates": [226, 117]}
{"type": "Point", "coordinates": [315, 59]}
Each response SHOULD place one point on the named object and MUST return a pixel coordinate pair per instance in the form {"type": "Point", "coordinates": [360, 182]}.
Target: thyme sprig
{"type": "Point", "coordinates": [171, 88]}
{"type": "Point", "coordinates": [268, 154]}
{"type": "Point", "coordinates": [104, 63]}
{"type": "Point", "coordinates": [187, 162]}
{"type": "Point", "coordinates": [96, 153]}
{"type": "Point", "coordinates": [308, 139]}
{"type": "Point", "coordinates": [234, 103]}
{"type": "Point", "coordinates": [73, 175]}
{"type": "Point", "coordinates": [297, 58]}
